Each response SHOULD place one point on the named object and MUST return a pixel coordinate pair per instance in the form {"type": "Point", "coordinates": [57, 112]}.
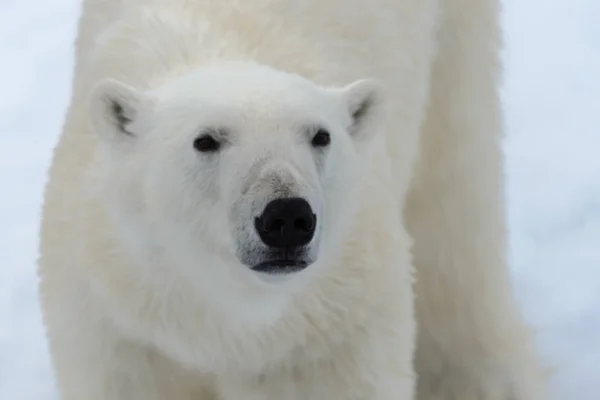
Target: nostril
{"type": "Point", "coordinates": [305, 224]}
{"type": "Point", "coordinates": [301, 224]}
{"type": "Point", "coordinates": [266, 225]}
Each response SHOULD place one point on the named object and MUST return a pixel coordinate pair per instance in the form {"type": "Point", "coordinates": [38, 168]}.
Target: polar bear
{"type": "Point", "coordinates": [244, 191]}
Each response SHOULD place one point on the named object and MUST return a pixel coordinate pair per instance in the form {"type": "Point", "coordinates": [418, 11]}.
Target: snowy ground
{"type": "Point", "coordinates": [552, 95]}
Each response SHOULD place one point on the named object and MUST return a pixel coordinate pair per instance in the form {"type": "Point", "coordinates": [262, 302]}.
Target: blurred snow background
{"type": "Point", "coordinates": [552, 97]}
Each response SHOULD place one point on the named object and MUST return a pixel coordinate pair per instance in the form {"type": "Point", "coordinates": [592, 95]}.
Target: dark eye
{"type": "Point", "coordinates": [206, 144]}
{"type": "Point", "coordinates": [321, 138]}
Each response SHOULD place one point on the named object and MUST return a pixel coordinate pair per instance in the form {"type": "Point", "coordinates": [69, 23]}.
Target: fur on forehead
{"type": "Point", "coordinates": [250, 89]}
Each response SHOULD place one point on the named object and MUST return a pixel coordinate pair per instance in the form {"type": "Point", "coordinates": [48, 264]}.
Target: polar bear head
{"type": "Point", "coordinates": [236, 173]}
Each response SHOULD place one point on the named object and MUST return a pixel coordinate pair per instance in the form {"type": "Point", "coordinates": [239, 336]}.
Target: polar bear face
{"type": "Point", "coordinates": [236, 173]}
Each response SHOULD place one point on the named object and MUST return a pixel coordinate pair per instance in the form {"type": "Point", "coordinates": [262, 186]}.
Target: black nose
{"type": "Point", "coordinates": [286, 223]}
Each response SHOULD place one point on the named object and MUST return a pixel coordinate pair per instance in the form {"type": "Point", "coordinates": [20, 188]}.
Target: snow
{"type": "Point", "coordinates": [551, 92]}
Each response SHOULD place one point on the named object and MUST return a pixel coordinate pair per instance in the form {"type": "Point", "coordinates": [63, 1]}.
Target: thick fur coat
{"type": "Point", "coordinates": [144, 294]}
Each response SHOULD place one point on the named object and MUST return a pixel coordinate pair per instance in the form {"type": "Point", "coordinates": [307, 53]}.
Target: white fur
{"type": "Point", "coordinates": [145, 290]}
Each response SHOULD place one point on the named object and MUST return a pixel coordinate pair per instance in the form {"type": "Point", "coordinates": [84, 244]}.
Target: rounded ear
{"type": "Point", "coordinates": [365, 102]}
{"type": "Point", "coordinates": [114, 106]}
